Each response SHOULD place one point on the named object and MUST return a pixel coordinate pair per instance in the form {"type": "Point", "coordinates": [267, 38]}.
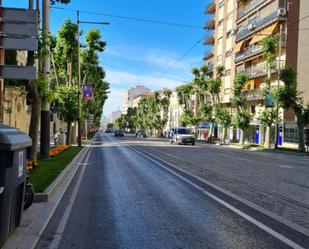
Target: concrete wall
{"type": "Point", "coordinates": [303, 51]}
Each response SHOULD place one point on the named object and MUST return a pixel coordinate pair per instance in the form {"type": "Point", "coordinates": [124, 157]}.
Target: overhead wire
{"type": "Point", "coordinates": [139, 19]}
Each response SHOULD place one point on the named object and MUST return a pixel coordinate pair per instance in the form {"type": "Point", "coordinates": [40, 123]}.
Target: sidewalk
{"type": "Point", "coordinates": [36, 218]}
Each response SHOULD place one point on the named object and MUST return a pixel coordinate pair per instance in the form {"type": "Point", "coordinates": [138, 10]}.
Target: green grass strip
{"type": "Point", "coordinates": [48, 170]}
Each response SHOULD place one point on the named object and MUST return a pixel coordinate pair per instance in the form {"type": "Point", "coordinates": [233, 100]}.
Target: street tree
{"type": "Point", "coordinates": [93, 74]}
{"type": "Point", "coordinates": [268, 116]}
{"type": "Point", "coordinates": [290, 97]}
{"type": "Point", "coordinates": [241, 120]}
{"type": "Point", "coordinates": [66, 56]}
{"type": "Point", "coordinates": [67, 107]}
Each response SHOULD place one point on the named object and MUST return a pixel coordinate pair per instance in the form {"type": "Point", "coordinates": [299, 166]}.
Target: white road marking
{"type": "Point", "coordinates": [61, 226]}
{"type": "Point", "coordinates": [227, 205]}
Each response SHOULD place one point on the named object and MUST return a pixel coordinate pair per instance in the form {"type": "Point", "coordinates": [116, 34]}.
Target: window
{"type": "Point", "coordinates": [228, 53]}
{"type": "Point", "coordinates": [228, 72]}
{"type": "Point", "coordinates": [291, 134]}
{"type": "Point", "coordinates": [227, 91]}
{"type": "Point", "coordinates": [221, 3]}
{"type": "Point", "coordinates": [219, 58]}
{"type": "Point", "coordinates": [220, 41]}
{"type": "Point", "coordinates": [229, 33]}
{"type": "Point", "coordinates": [253, 109]}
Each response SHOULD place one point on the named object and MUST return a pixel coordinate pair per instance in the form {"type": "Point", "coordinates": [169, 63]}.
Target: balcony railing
{"type": "Point", "coordinates": [249, 7]}
{"type": "Point", "coordinates": [210, 67]}
{"type": "Point", "coordinates": [208, 55]}
{"type": "Point", "coordinates": [257, 25]}
{"type": "Point", "coordinates": [210, 24]}
{"type": "Point", "coordinates": [211, 8]}
{"type": "Point", "coordinates": [253, 95]}
{"type": "Point", "coordinates": [209, 39]}
{"type": "Point", "coordinates": [248, 52]}
{"type": "Point", "coordinates": [257, 71]}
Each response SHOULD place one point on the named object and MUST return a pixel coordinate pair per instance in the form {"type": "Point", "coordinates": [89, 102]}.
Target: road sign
{"type": "Point", "coordinates": [90, 119]}
{"type": "Point", "coordinates": [18, 72]}
{"type": "Point", "coordinates": [14, 15]}
{"type": "Point", "coordinates": [27, 29]}
{"type": "Point", "coordinates": [30, 44]}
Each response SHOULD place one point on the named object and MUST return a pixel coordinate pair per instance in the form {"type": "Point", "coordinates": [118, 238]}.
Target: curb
{"type": "Point", "coordinates": [37, 217]}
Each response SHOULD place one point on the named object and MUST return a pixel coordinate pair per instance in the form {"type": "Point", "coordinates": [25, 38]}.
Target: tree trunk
{"type": "Point", "coordinates": [32, 89]}
{"type": "Point", "coordinates": [223, 135]}
{"type": "Point", "coordinates": [35, 99]}
{"type": "Point", "coordinates": [211, 131]}
{"type": "Point", "coordinates": [301, 138]}
{"type": "Point", "coordinates": [68, 137]}
{"type": "Point", "coordinates": [267, 138]}
{"type": "Point", "coordinates": [196, 100]}
{"type": "Point", "coordinates": [242, 137]}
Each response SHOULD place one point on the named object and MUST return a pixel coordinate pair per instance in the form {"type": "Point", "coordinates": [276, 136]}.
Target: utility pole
{"type": "Point", "coordinates": [79, 135]}
{"type": "Point", "coordinates": [45, 112]}
{"type": "Point", "coordinates": [278, 86]}
{"type": "Point", "coordinates": [1, 80]}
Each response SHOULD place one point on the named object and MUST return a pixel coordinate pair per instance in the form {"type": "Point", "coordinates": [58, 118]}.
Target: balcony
{"type": "Point", "coordinates": [210, 67]}
{"type": "Point", "coordinates": [248, 52]}
{"type": "Point", "coordinates": [253, 95]}
{"type": "Point", "coordinates": [210, 8]}
{"type": "Point", "coordinates": [210, 24]}
{"type": "Point", "coordinates": [249, 7]}
{"type": "Point", "coordinates": [208, 55]}
{"type": "Point", "coordinates": [252, 28]}
{"type": "Point", "coordinates": [209, 39]}
{"type": "Point", "coordinates": [256, 71]}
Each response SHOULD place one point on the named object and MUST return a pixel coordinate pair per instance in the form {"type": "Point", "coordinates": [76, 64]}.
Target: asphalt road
{"type": "Point", "coordinates": [122, 199]}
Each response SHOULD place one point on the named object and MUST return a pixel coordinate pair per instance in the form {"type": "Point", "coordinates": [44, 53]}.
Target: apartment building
{"type": "Point", "coordinates": [130, 94]}
{"type": "Point", "coordinates": [174, 112]}
{"type": "Point", "coordinates": [113, 116]}
{"type": "Point", "coordinates": [238, 28]}
{"type": "Point", "coordinates": [138, 99]}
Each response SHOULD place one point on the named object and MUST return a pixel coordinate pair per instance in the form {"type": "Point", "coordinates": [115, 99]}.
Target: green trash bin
{"type": "Point", "coordinates": [13, 173]}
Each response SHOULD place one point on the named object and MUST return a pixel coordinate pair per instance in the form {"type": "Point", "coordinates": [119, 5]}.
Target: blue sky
{"type": "Point", "coordinates": [139, 52]}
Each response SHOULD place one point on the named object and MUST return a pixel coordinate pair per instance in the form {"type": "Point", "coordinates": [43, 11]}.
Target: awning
{"type": "Point", "coordinates": [263, 33]}
{"type": "Point", "coordinates": [249, 83]}
{"type": "Point", "coordinates": [238, 46]}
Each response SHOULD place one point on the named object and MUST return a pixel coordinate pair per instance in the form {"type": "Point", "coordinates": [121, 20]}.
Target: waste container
{"type": "Point", "coordinates": [13, 173]}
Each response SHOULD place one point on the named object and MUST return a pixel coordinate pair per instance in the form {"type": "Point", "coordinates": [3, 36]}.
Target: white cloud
{"type": "Point", "coordinates": [120, 79]}
{"type": "Point", "coordinates": [158, 58]}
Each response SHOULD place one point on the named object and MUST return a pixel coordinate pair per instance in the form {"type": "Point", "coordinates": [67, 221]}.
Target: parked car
{"type": "Point", "coordinates": [182, 135]}
{"type": "Point", "coordinates": [119, 133]}
{"type": "Point", "coordinates": [109, 130]}
{"type": "Point", "coordinates": [140, 133]}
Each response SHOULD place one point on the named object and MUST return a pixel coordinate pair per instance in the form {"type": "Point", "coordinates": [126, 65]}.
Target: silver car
{"type": "Point", "coordinates": [182, 135]}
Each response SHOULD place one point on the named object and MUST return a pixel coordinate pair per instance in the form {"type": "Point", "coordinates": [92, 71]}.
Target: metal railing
{"type": "Point", "coordinates": [250, 51]}
{"type": "Point", "coordinates": [253, 95]}
{"type": "Point", "coordinates": [260, 24]}
{"type": "Point", "coordinates": [249, 7]}
{"type": "Point", "coordinates": [209, 5]}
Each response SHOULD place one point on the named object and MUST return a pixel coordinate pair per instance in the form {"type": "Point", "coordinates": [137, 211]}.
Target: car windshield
{"type": "Point", "coordinates": [184, 131]}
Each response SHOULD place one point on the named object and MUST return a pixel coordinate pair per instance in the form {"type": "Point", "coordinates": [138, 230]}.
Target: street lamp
{"type": "Point", "coordinates": [79, 138]}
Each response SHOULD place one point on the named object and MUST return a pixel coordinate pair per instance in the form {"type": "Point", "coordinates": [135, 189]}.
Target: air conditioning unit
{"type": "Point", "coordinates": [281, 12]}
{"type": "Point", "coordinates": [251, 26]}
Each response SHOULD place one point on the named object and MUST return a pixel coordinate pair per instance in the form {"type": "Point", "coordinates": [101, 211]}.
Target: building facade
{"type": "Point", "coordinates": [236, 31]}
{"type": "Point", "coordinates": [113, 116]}
{"type": "Point", "coordinates": [130, 94]}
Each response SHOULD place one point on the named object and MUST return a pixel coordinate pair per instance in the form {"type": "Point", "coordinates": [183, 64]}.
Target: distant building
{"type": "Point", "coordinates": [114, 116]}
{"type": "Point", "coordinates": [138, 98]}
{"type": "Point", "coordinates": [174, 112]}
{"type": "Point", "coordinates": [130, 94]}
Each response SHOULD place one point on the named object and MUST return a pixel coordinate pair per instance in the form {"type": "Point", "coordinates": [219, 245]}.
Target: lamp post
{"type": "Point", "coordinates": [79, 138]}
